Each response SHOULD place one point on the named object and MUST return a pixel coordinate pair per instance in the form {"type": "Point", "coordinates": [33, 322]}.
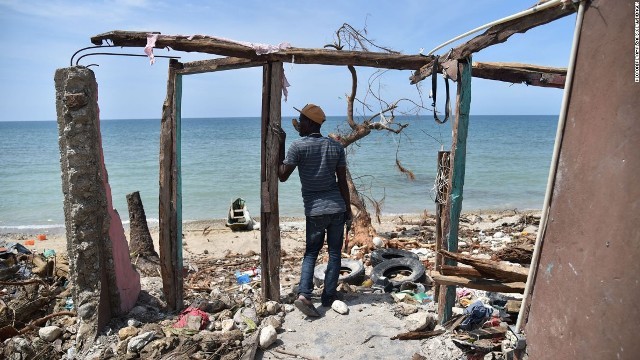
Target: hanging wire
{"type": "Point", "coordinates": [108, 54]}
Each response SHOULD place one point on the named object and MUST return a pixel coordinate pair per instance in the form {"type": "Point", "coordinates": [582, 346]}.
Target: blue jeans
{"type": "Point", "coordinates": [317, 226]}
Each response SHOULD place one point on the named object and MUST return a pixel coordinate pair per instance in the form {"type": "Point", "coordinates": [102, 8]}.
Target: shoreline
{"type": "Point", "coordinates": [57, 229]}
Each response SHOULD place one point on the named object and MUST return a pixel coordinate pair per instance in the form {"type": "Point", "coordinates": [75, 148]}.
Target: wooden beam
{"type": "Point", "coordinates": [269, 209]}
{"type": "Point", "coordinates": [535, 75]}
{"type": "Point", "coordinates": [479, 284]}
{"type": "Point", "coordinates": [170, 234]}
{"type": "Point", "coordinates": [495, 35]}
{"type": "Point", "coordinates": [491, 268]}
{"type": "Point", "coordinates": [227, 63]}
{"type": "Point", "coordinates": [213, 45]}
{"type": "Point", "coordinates": [460, 271]}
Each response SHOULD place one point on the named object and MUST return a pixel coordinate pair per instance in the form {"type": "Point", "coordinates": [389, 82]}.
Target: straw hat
{"type": "Point", "coordinates": [313, 112]}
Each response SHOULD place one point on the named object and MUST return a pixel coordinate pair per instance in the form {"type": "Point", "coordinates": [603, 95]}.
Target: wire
{"type": "Point", "coordinates": [500, 21]}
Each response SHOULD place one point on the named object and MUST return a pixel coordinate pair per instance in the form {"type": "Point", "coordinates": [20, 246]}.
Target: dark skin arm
{"type": "Point", "coordinates": [341, 173]}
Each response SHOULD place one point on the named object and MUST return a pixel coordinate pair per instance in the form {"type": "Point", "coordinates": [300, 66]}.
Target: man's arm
{"type": "Point", "coordinates": [341, 173]}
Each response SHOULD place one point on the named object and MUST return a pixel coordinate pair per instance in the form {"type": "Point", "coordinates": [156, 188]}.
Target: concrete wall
{"type": "Point", "coordinates": [584, 303]}
{"type": "Point", "coordinates": [104, 281]}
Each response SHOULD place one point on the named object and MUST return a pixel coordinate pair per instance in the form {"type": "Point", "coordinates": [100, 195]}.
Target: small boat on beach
{"type": "Point", "coordinates": [238, 218]}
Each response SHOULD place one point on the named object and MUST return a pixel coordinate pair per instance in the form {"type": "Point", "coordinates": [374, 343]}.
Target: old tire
{"type": "Point", "coordinates": [398, 271]}
{"type": "Point", "coordinates": [351, 272]}
{"type": "Point", "coordinates": [380, 255]}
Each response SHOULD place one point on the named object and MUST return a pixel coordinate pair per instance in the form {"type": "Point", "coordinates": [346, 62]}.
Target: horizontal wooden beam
{"type": "Point", "coordinates": [213, 45]}
{"type": "Point", "coordinates": [544, 76]}
{"type": "Point", "coordinates": [492, 269]}
{"type": "Point", "coordinates": [479, 284]}
{"type": "Point", "coordinates": [221, 64]}
{"type": "Point", "coordinates": [495, 35]}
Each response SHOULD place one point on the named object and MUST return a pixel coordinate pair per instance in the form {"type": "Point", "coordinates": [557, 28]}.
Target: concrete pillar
{"type": "Point", "coordinates": [104, 281]}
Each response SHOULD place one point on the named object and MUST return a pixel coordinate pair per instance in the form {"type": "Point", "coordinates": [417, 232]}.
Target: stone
{"type": "Point", "coordinates": [246, 318]}
{"type": "Point", "coordinates": [420, 321]}
{"type": "Point", "coordinates": [289, 308]}
{"type": "Point", "coordinates": [138, 342]}
{"type": "Point", "coordinates": [405, 309]}
{"type": "Point", "coordinates": [227, 325]}
{"type": "Point", "coordinates": [272, 307]}
{"type": "Point", "coordinates": [340, 307]}
{"type": "Point", "coordinates": [133, 322]}
{"type": "Point", "coordinates": [498, 235]}
{"type": "Point", "coordinates": [268, 336]}
{"type": "Point", "coordinates": [194, 322]}
{"type": "Point", "coordinates": [272, 321]}
{"type": "Point", "coordinates": [127, 332]}
{"type": "Point", "coordinates": [49, 333]}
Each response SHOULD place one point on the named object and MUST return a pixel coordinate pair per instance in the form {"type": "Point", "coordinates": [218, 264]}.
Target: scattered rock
{"type": "Point", "coordinates": [138, 342]}
{"type": "Point", "coordinates": [340, 307]}
{"type": "Point", "coordinates": [267, 336]}
{"type": "Point", "coordinates": [127, 332]}
{"type": "Point", "coordinates": [420, 321]}
{"type": "Point", "coordinates": [289, 308]}
{"type": "Point", "coordinates": [404, 309]}
{"type": "Point", "coordinates": [227, 325]}
{"type": "Point", "coordinates": [246, 318]}
{"type": "Point", "coordinates": [272, 321]}
{"type": "Point", "coordinates": [272, 307]}
{"type": "Point", "coordinates": [49, 333]}
{"type": "Point", "coordinates": [133, 322]}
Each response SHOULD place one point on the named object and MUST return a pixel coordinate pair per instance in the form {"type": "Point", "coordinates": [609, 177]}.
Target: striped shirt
{"type": "Point", "coordinates": [317, 158]}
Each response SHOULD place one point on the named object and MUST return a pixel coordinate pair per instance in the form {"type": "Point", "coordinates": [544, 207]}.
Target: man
{"type": "Point", "coordinates": [320, 160]}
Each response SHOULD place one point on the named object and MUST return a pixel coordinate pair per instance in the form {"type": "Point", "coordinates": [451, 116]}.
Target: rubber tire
{"type": "Point", "coordinates": [388, 267]}
{"type": "Point", "coordinates": [380, 255]}
{"type": "Point", "coordinates": [354, 277]}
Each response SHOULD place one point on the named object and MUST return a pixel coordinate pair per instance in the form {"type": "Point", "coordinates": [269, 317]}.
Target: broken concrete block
{"type": "Point", "coordinates": [137, 343]}
{"type": "Point", "coordinates": [420, 321]}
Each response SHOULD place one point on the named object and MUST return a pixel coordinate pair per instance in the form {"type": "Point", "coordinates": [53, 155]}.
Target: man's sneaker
{"type": "Point", "coordinates": [306, 307]}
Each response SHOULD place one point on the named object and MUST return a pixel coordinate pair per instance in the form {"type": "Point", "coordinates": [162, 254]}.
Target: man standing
{"type": "Point", "coordinates": [320, 160]}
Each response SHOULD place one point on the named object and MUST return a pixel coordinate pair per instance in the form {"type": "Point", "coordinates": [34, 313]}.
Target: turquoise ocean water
{"type": "Point", "coordinates": [508, 161]}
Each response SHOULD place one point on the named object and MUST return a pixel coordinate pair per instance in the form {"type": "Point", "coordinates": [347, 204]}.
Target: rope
{"type": "Point", "coordinates": [434, 93]}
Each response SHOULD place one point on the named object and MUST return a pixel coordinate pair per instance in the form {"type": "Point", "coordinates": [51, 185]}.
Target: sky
{"type": "Point", "coordinates": [40, 36]}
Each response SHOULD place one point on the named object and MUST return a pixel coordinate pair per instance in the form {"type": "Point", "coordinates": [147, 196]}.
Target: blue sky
{"type": "Point", "coordinates": [39, 36]}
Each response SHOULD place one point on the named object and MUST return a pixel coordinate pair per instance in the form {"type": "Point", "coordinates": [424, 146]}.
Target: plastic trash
{"type": "Point", "coordinates": [69, 304]}
{"type": "Point", "coordinates": [48, 253]}
{"type": "Point", "coordinates": [242, 278]}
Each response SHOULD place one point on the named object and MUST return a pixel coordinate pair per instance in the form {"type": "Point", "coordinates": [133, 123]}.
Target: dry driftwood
{"type": "Point", "coordinates": [515, 255]}
{"type": "Point", "coordinates": [491, 268]}
{"type": "Point", "coordinates": [480, 284]}
{"type": "Point", "coordinates": [418, 335]}
{"type": "Point", "coordinates": [217, 46]}
{"type": "Point", "coordinates": [495, 35]}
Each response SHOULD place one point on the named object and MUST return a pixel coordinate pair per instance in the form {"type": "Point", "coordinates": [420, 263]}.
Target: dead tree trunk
{"type": "Point", "coordinates": [363, 231]}
{"type": "Point", "coordinates": [140, 241]}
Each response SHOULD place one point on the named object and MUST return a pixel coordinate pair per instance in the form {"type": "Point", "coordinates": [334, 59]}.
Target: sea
{"type": "Point", "coordinates": [508, 158]}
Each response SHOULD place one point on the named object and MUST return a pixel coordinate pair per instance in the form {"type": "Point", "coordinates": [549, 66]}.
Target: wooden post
{"type": "Point", "coordinates": [442, 193]}
{"type": "Point", "coordinates": [170, 198]}
{"type": "Point", "coordinates": [457, 159]}
{"type": "Point", "coordinates": [269, 161]}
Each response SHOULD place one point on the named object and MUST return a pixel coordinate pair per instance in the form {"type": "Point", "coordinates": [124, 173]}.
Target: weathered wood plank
{"type": "Point", "coordinates": [270, 218]}
{"type": "Point", "coordinates": [535, 75]}
{"type": "Point", "coordinates": [497, 34]}
{"type": "Point", "coordinates": [459, 271]}
{"type": "Point", "coordinates": [480, 284]}
{"type": "Point", "coordinates": [227, 63]}
{"type": "Point", "coordinates": [211, 45]}
{"type": "Point", "coordinates": [169, 235]}
{"type": "Point", "coordinates": [491, 268]}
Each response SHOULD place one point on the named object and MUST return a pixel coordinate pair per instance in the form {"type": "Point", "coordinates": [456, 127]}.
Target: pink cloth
{"type": "Point", "coordinates": [260, 49]}
{"type": "Point", "coordinates": [182, 320]}
{"type": "Point", "coordinates": [148, 49]}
